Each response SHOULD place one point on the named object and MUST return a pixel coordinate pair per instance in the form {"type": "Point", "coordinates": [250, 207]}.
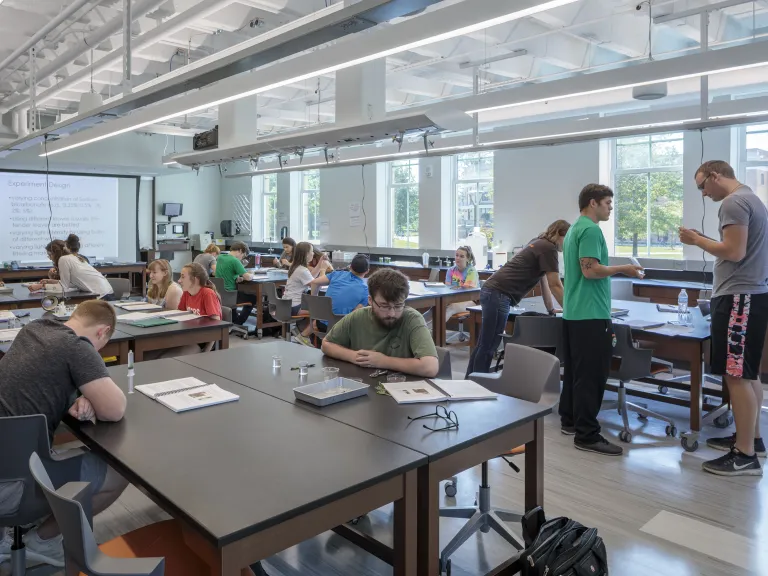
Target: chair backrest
{"type": "Point", "coordinates": [279, 309]}
{"type": "Point", "coordinates": [444, 370]}
{"type": "Point", "coordinates": [228, 297]}
{"type": "Point", "coordinates": [539, 332]}
{"type": "Point", "coordinates": [120, 286]}
{"type": "Point", "coordinates": [635, 362]}
{"type": "Point", "coordinates": [321, 308]}
{"type": "Point", "coordinates": [176, 276]}
{"type": "Point", "coordinates": [527, 374]}
{"type": "Point", "coordinates": [20, 501]}
{"type": "Point", "coordinates": [434, 274]}
{"type": "Point", "coordinates": [226, 313]}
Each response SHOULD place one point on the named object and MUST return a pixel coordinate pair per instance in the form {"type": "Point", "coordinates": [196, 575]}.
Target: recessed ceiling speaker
{"type": "Point", "coordinates": [650, 91]}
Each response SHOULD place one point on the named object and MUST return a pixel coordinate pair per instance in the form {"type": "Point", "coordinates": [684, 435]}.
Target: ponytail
{"type": "Point", "coordinates": [212, 286]}
{"type": "Point", "coordinates": [197, 271]}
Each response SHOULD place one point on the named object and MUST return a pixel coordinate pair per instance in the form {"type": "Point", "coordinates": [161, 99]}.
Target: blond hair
{"type": "Point", "coordinates": [94, 313]}
{"type": "Point", "coordinates": [555, 230]}
{"type": "Point", "coordinates": [212, 249]}
{"type": "Point", "coordinates": [157, 291]}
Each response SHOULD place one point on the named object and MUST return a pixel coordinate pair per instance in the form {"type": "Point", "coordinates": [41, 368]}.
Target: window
{"type": "Point", "coordinates": [755, 159]}
{"type": "Point", "coordinates": [473, 180]}
{"type": "Point", "coordinates": [648, 206]}
{"type": "Point", "coordinates": [310, 205]}
{"type": "Point", "coordinates": [404, 203]}
{"type": "Point", "coordinates": [269, 207]}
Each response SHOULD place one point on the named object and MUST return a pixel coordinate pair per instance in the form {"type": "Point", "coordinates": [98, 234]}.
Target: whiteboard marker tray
{"type": "Point", "coordinates": [329, 392]}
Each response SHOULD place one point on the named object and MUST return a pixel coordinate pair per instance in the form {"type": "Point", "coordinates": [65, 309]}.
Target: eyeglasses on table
{"type": "Point", "coordinates": [440, 412]}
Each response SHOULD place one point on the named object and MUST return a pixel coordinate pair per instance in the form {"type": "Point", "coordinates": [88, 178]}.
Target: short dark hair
{"type": "Point", "coordinates": [240, 247]}
{"type": "Point", "coordinates": [73, 243]}
{"type": "Point", "coordinates": [391, 285]}
{"type": "Point", "coordinates": [290, 241]}
{"type": "Point", "coordinates": [360, 264]}
{"type": "Point", "coordinates": [594, 192]}
{"type": "Point", "coordinates": [720, 166]}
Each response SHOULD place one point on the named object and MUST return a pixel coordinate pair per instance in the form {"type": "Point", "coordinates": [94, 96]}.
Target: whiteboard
{"type": "Point", "coordinates": [82, 205]}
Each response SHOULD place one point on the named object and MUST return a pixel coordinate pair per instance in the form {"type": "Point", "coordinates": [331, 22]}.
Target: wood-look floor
{"type": "Point", "coordinates": [616, 495]}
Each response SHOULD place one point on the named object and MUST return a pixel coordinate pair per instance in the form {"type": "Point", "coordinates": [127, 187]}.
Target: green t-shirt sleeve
{"type": "Point", "coordinates": [420, 340]}
{"type": "Point", "coordinates": [238, 267]}
{"type": "Point", "coordinates": [590, 243]}
{"type": "Point", "coordinates": [341, 332]}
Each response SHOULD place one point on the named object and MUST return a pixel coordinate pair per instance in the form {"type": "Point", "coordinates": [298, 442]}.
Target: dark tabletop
{"type": "Point", "coordinates": [237, 468]}
{"type": "Point", "coordinates": [203, 323]}
{"type": "Point", "coordinates": [673, 284]}
{"type": "Point", "coordinates": [22, 293]}
{"type": "Point", "coordinates": [637, 311]}
{"type": "Point", "coordinates": [435, 292]}
{"type": "Point", "coordinates": [375, 413]}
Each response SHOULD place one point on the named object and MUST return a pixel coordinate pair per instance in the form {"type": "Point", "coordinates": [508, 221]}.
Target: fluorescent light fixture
{"type": "Point", "coordinates": [620, 87]}
{"type": "Point", "coordinates": [464, 30]}
{"type": "Point", "coordinates": [170, 162]}
{"type": "Point", "coordinates": [474, 63]}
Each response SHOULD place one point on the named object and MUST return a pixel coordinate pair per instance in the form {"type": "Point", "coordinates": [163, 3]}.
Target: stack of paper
{"type": "Point", "coordinates": [9, 335]}
{"type": "Point", "coordinates": [425, 391]}
{"type": "Point", "coordinates": [464, 390]}
{"type": "Point", "coordinates": [6, 315]}
{"type": "Point", "coordinates": [186, 394]}
{"type": "Point", "coordinates": [137, 306]}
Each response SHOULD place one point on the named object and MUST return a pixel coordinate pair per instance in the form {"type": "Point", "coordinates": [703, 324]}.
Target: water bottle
{"type": "Point", "coordinates": [682, 307]}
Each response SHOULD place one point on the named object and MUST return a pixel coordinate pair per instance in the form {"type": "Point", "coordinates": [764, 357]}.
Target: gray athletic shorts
{"type": "Point", "coordinates": [92, 470]}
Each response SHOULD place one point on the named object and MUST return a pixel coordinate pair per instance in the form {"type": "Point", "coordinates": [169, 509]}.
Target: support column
{"type": "Point", "coordinates": [238, 122]}
{"type": "Point", "coordinates": [361, 93]}
{"type": "Point", "coordinates": [33, 90]}
{"type": "Point", "coordinates": [127, 83]}
{"type": "Point", "coordinates": [704, 92]}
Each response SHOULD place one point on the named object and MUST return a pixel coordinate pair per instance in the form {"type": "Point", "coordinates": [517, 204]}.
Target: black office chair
{"type": "Point", "coordinates": [540, 332]}
{"type": "Point", "coordinates": [229, 300]}
{"type": "Point", "coordinates": [280, 309]}
{"type": "Point", "coordinates": [21, 500]}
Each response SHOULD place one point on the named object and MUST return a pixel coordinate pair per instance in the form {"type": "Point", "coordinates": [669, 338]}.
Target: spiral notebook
{"type": "Point", "coordinates": [186, 394]}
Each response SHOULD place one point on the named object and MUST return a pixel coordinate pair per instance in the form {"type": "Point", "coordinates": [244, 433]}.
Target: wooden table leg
{"type": "Point", "coordinates": [259, 317]}
{"type": "Point", "coordinates": [440, 327]}
{"type": "Point", "coordinates": [428, 540]}
{"type": "Point", "coordinates": [122, 353]}
{"type": "Point", "coordinates": [534, 467]}
{"type": "Point", "coordinates": [697, 382]}
{"type": "Point", "coordinates": [405, 528]}
{"type": "Point", "coordinates": [224, 341]}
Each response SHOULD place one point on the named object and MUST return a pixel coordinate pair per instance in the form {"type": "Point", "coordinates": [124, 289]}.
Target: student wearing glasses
{"type": "Point", "coordinates": [462, 275]}
{"type": "Point", "coordinates": [387, 334]}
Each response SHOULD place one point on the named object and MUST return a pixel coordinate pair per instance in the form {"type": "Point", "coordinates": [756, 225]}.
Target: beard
{"type": "Point", "coordinates": [388, 323]}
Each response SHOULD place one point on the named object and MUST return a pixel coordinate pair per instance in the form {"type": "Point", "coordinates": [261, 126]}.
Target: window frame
{"type": "Point", "coordinates": [744, 163]}
{"type": "Point", "coordinates": [391, 186]}
{"type": "Point", "coordinates": [266, 194]}
{"type": "Point", "coordinates": [617, 172]}
{"type": "Point", "coordinates": [457, 182]}
{"type": "Point", "coordinates": [304, 193]}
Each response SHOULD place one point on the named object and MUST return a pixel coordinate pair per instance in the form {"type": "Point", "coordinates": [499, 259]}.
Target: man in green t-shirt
{"type": "Point", "coordinates": [229, 267]}
{"type": "Point", "coordinates": [588, 332]}
{"type": "Point", "coordinates": [386, 334]}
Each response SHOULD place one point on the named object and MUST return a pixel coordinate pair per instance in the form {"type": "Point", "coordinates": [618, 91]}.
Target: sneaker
{"type": "Point", "coordinates": [295, 332]}
{"type": "Point", "coordinates": [734, 464]}
{"type": "Point", "coordinates": [304, 341]}
{"type": "Point", "coordinates": [568, 430]}
{"type": "Point", "coordinates": [602, 446]}
{"type": "Point", "coordinates": [726, 443]}
{"type": "Point", "coordinates": [40, 551]}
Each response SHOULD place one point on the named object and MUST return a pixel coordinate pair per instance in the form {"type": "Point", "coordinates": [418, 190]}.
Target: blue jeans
{"type": "Point", "coordinates": [495, 306]}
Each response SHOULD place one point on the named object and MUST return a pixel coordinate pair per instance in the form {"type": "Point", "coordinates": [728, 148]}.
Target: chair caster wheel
{"type": "Point", "coordinates": [450, 488]}
{"type": "Point", "coordinates": [448, 568]}
{"type": "Point", "coordinates": [485, 529]}
{"type": "Point", "coordinates": [642, 417]}
{"type": "Point", "coordinates": [671, 431]}
{"type": "Point", "coordinates": [724, 420]}
{"type": "Point", "coordinates": [689, 445]}
{"type": "Point", "coordinates": [625, 436]}
{"type": "Point", "coordinates": [663, 390]}
{"type": "Point", "coordinates": [462, 338]}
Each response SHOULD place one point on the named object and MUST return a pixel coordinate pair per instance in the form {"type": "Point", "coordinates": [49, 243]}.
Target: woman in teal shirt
{"type": "Point", "coordinates": [462, 275]}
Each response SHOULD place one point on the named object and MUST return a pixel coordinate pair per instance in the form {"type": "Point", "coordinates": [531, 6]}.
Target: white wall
{"type": "Point", "coordinates": [146, 213]}
{"type": "Point", "coordinates": [201, 195]}
{"type": "Point", "coordinates": [126, 226]}
{"type": "Point", "coordinates": [535, 186]}
{"type": "Point", "coordinates": [231, 187]}
{"type": "Point", "coordinates": [338, 188]}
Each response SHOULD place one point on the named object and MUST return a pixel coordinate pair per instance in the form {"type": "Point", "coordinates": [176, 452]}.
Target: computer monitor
{"type": "Point", "coordinates": [178, 228]}
{"type": "Point", "coordinates": [172, 209]}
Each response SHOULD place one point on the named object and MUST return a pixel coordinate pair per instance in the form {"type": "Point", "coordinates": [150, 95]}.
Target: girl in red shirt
{"type": "Point", "coordinates": [200, 296]}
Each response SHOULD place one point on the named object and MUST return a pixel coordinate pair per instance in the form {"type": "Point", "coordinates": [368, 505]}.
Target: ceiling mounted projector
{"type": "Point", "coordinates": [650, 91]}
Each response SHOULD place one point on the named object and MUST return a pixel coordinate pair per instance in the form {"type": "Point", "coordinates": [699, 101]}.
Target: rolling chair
{"type": "Point", "coordinates": [460, 318]}
{"type": "Point", "coordinates": [280, 310]}
{"type": "Point", "coordinates": [121, 287]}
{"type": "Point", "coordinates": [530, 374]}
{"type": "Point", "coordinates": [444, 371]}
{"type": "Point", "coordinates": [120, 556]}
{"type": "Point", "coordinates": [320, 308]}
{"type": "Point", "coordinates": [22, 503]}
{"type": "Point", "coordinates": [229, 300]}
{"type": "Point", "coordinates": [434, 275]}
{"type": "Point", "coordinates": [630, 363]}
{"type": "Point", "coordinates": [542, 332]}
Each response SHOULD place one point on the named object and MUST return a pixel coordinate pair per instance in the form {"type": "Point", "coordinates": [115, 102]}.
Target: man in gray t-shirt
{"type": "Point", "coordinates": [739, 311]}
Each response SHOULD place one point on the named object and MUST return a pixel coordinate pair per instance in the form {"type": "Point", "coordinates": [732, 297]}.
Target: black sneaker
{"type": "Point", "coordinates": [602, 446]}
{"type": "Point", "coordinates": [726, 443]}
{"type": "Point", "coordinates": [734, 464]}
{"type": "Point", "coordinates": [568, 430]}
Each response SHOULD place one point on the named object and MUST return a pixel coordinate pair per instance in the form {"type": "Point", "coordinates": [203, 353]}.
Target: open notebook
{"type": "Point", "coordinates": [436, 390]}
{"type": "Point", "coordinates": [186, 394]}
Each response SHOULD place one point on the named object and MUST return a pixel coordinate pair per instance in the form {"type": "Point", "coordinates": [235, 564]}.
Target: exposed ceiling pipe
{"type": "Point", "coordinates": [40, 34]}
{"type": "Point", "coordinates": [140, 8]}
{"type": "Point", "coordinates": [164, 30]}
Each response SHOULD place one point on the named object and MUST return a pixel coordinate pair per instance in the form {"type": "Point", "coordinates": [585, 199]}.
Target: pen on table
{"type": "Point", "coordinates": [308, 366]}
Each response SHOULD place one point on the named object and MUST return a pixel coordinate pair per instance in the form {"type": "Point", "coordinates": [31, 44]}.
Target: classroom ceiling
{"type": "Point", "coordinates": [586, 36]}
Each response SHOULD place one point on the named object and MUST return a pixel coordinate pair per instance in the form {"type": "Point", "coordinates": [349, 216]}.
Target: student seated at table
{"type": "Point", "coordinates": [386, 334]}
{"type": "Point", "coordinates": [74, 273]}
{"type": "Point", "coordinates": [346, 288]}
{"type": "Point", "coordinates": [208, 258]}
{"type": "Point", "coordinates": [462, 275]}
{"type": "Point", "coordinates": [48, 363]}
{"type": "Point", "coordinates": [285, 259]}
{"type": "Point", "coordinates": [73, 243]}
{"type": "Point", "coordinates": [229, 267]}
{"type": "Point", "coordinates": [200, 296]}
{"type": "Point", "coordinates": [317, 257]}
{"type": "Point", "coordinates": [162, 290]}
{"type": "Point", "coordinates": [299, 278]}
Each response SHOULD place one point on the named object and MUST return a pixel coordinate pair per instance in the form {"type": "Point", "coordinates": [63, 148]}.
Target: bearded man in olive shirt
{"type": "Point", "coordinates": [386, 334]}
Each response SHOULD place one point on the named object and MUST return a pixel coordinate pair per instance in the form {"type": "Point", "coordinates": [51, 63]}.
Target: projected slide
{"type": "Point", "coordinates": [83, 205]}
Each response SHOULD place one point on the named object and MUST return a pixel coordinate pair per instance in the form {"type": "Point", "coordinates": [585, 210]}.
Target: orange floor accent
{"type": "Point", "coordinates": [515, 451]}
{"type": "Point", "coordinates": [163, 539]}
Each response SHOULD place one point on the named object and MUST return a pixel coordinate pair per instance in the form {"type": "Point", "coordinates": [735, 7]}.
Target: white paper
{"type": "Point", "coordinates": [7, 315]}
{"type": "Point", "coordinates": [412, 392]}
{"type": "Point", "coordinates": [672, 330]}
{"type": "Point", "coordinates": [354, 209]}
{"type": "Point", "coordinates": [152, 390]}
{"type": "Point", "coordinates": [187, 317]}
{"type": "Point", "coordinates": [464, 390]}
{"type": "Point", "coordinates": [136, 306]}
{"type": "Point", "coordinates": [133, 317]}
{"type": "Point", "coordinates": [209, 395]}
{"type": "Point", "coordinates": [355, 221]}
{"type": "Point", "coordinates": [9, 335]}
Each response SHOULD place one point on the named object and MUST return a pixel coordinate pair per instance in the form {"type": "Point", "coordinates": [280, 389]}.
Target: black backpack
{"type": "Point", "coordinates": [561, 547]}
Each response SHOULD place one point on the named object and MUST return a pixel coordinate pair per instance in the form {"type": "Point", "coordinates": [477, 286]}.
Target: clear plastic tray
{"type": "Point", "coordinates": [328, 392]}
